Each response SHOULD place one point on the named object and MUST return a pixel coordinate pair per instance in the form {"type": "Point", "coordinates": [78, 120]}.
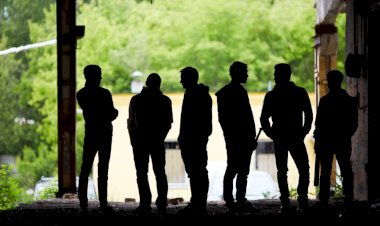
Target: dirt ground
{"type": "Point", "coordinates": [266, 212]}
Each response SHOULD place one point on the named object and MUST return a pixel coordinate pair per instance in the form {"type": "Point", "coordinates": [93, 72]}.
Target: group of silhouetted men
{"type": "Point", "coordinates": [286, 118]}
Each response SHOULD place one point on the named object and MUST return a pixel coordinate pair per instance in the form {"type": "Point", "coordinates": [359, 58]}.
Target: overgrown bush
{"type": "Point", "coordinates": [10, 192]}
{"type": "Point", "coordinates": [293, 194]}
{"type": "Point", "coordinates": [337, 192]}
{"type": "Point", "coordinates": [338, 189]}
{"type": "Point", "coordinates": [49, 192]}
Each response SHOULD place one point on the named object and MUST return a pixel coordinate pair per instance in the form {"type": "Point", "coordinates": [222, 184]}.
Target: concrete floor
{"type": "Point", "coordinates": [67, 212]}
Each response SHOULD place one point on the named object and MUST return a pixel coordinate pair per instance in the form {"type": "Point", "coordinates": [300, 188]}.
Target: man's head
{"type": "Point", "coordinates": [153, 81]}
{"type": "Point", "coordinates": [189, 77]}
{"type": "Point", "coordinates": [239, 72]}
{"type": "Point", "coordinates": [282, 73]}
{"type": "Point", "coordinates": [92, 73]}
{"type": "Point", "coordinates": [334, 79]}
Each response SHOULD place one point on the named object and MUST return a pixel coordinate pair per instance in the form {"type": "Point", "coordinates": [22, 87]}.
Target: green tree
{"type": "Point", "coordinates": [165, 36]}
{"type": "Point", "coordinates": [15, 126]}
{"type": "Point", "coordinates": [14, 15]}
{"type": "Point", "coordinates": [18, 118]}
{"type": "Point", "coordinates": [123, 36]}
{"type": "Point", "coordinates": [41, 159]}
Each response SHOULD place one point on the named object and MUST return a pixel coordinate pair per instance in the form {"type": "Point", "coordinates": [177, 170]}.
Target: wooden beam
{"type": "Point", "coordinates": [66, 59]}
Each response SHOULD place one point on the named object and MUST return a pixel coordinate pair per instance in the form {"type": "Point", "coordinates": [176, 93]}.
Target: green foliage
{"type": "Point", "coordinates": [268, 195]}
{"type": "Point", "coordinates": [338, 189]}
{"type": "Point", "coordinates": [293, 194]}
{"type": "Point", "coordinates": [123, 36]}
{"type": "Point", "coordinates": [41, 159]}
{"type": "Point", "coordinates": [9, 189]}
{"type": "Point", "coordinates": [341, 25]}
{"type": "Point", "coordinates": [7, 108]}
{"type": "Point", "coordinates": [15, 14]}
{"type": "Point", "coordinates": [32, 164]}
{"type": "Point", "coordinates": [48, 192]}
{"type": "Point", "coordinates": [79, 144]}
{"type": "Point", "coordinates": [19, 118]}
{"type": "Point", "coordinates": [16, 126]}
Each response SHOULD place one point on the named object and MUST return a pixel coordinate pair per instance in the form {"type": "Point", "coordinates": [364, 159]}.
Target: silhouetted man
{"type": "Point", "coordinates": [236, 119]}
{"type": "Point", "coordinates": [150, 119]}
{"type": "Point", "coordinates": [335, 124]}
{"type": "Point", "coordinates": [98, 112]}
{"type": "Point", "coordinates": [290, 111]}
{"type": "Point", "coordinates": [195, 128]}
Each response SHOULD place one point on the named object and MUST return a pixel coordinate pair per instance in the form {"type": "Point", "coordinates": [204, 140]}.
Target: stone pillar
{"type": "Point", "coordinates": [358, 42]}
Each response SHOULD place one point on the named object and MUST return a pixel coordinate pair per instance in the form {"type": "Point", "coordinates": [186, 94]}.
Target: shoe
{"type": "Point", "coordinates": [106, 209]}
{"type": "Point", "coordinates": [83, 204]}
{"type": "Point", "coordinates": [161, 210]}
{"type": "Point", "coordinates": [231, 207]}
{"type": "Point", "coordinates": [348, 204]}
{"type": "Point", "coordinates": [285, 206]}
{"type": "Point", "coordinates": [301, 210]}
{"type": "Point", "coordinates": [322, 204]}
{"type": "Point", "coordinates": [83, 210]}
{"type": "Point", "coordinates": [303, 204]}
{"type": "Point", "coordinates": [285, 209]}
{"type": "Point", "coordinates": [83, 207]}
{"type": "Point", "coordinates": [245, 207]}
{"type": "Point", "coordinates": [143, 210]}
{"type": "Point", "coordinates": [193, 210]}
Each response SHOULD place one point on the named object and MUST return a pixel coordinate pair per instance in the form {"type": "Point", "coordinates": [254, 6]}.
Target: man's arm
{"type": "Point", "coordinates": [113, 111]}
{"type": "Point", "coordinates": [168, 117]}
{"type": "Point", "coordinates": [209, 114]}
{"type": "Point", "coordinates": [317, 137]}
{"type": "Point", "coordinates": [308, 113]}
{"type": "Point", "coordinates": [131, 121]}
{"type": "Point", "coordinates": [264, 118]}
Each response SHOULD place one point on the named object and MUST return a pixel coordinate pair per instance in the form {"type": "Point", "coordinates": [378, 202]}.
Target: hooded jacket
{"type": "Point", "coordinates": [196, 115]}
{"type": "Point", "coordinates": [150, 114]}
{"type": "Point", "coordinates": [97, 105]}
{"type": "Point", "coordinates": [290, 109]}
{"type": "Point", "coordinates": [336, 120]}
{"type": "Point", "coordinates": [235, 115]}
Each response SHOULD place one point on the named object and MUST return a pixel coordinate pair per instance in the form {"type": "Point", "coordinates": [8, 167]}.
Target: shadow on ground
{"type": "Point", "coordinates": [266, 212]}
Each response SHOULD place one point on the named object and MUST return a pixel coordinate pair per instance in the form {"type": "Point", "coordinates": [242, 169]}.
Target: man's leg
{"type": "Point", "coordinates": [229, 175]}
{"type": "Point", "coordinates": [89, 152]}
{"type": "Point", "coordinates": [299, 155]}
{"type": "Point", "coordinates": [324, 182]}
{"type": "Point", "coordinates": [281, 155]}
{"type": "Point", "coordinates": [141, 158]}
{"type": "Point", "coordinates": [158, 162]}
{"type": "Point", "coordinates": [103, 166]}
{"type": "Point", "coordinates": [347, 175]}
